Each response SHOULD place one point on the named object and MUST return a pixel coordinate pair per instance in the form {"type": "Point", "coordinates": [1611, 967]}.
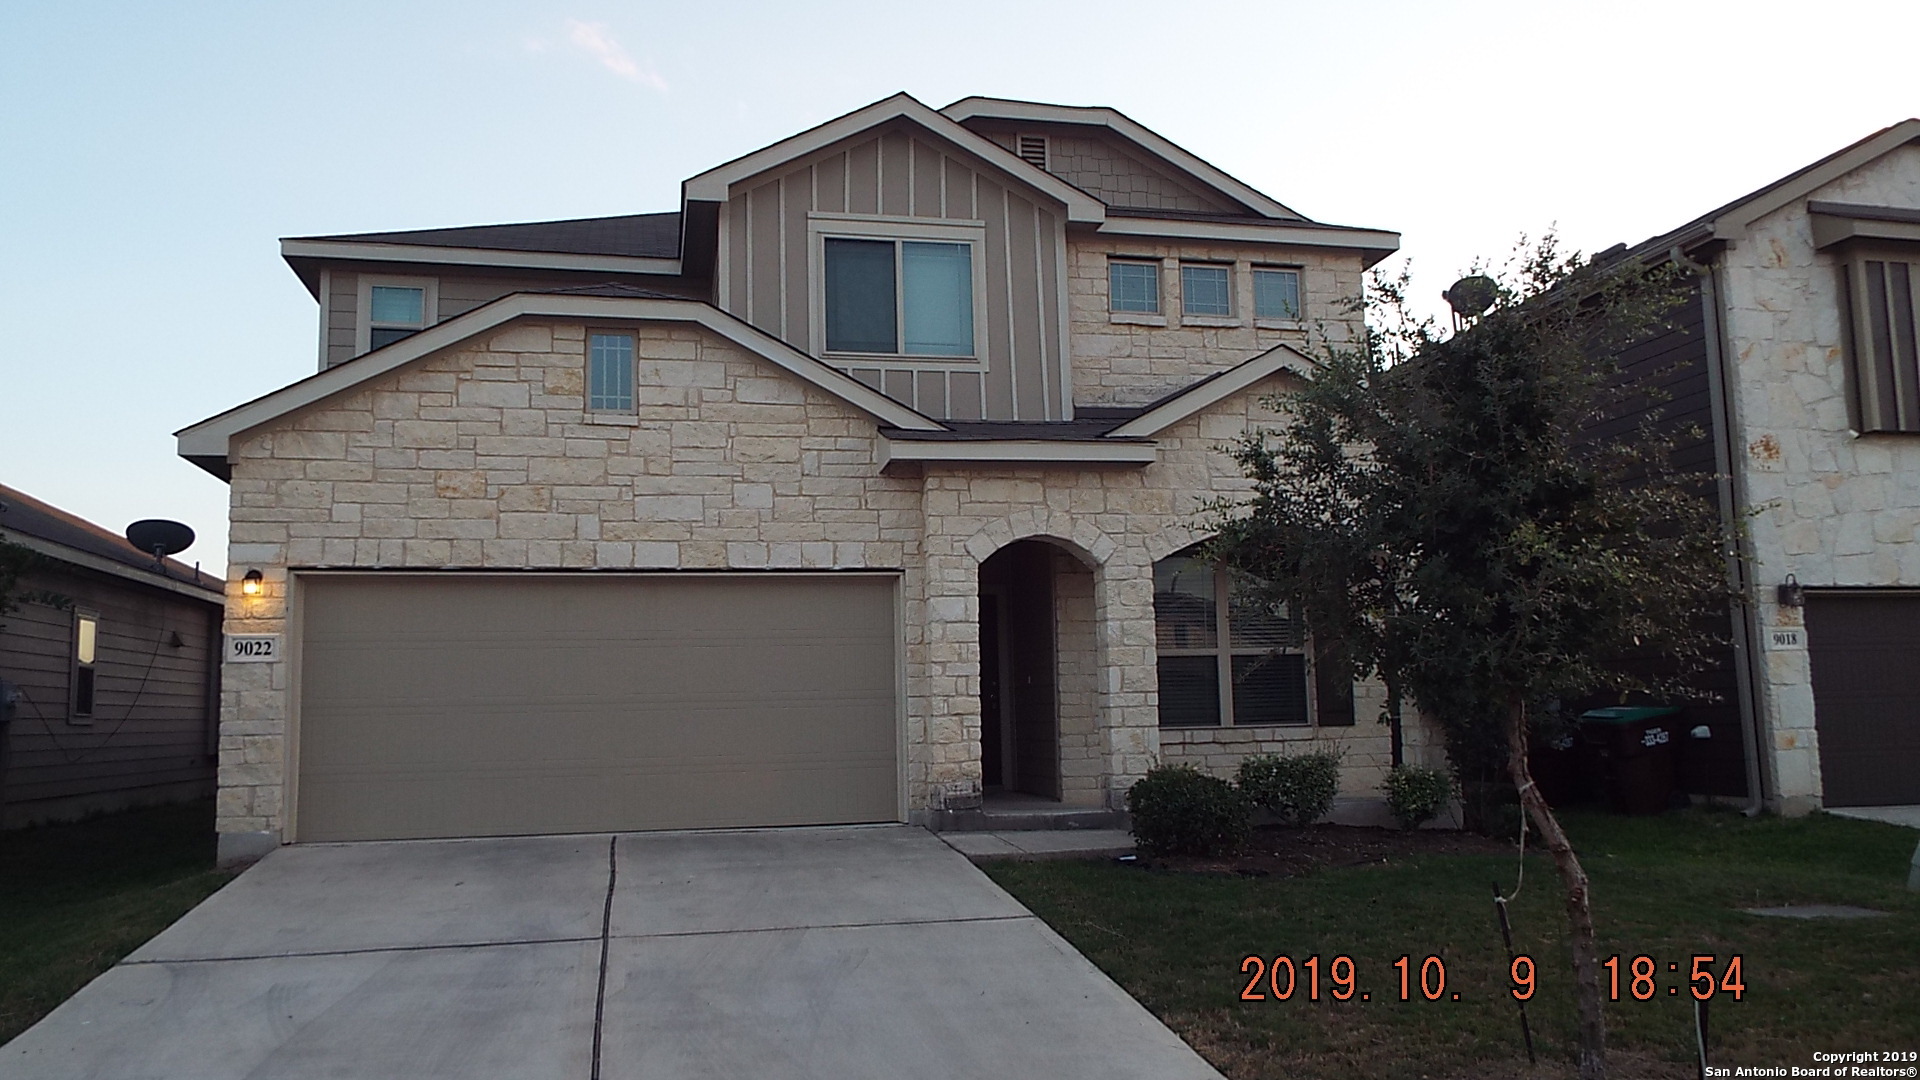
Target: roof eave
{"type": "Point", "coordinates": [297, 249]}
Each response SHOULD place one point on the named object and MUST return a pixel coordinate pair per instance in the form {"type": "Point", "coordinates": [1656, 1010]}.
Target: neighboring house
{"type": "Point", "coordinates": [1795, 355]}
{"type": "Point", "coordinates": [858, 489]}
{"type": "Point", "coordinates": [111, 664]}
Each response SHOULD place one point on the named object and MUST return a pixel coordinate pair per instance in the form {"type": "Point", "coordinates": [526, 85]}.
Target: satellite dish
{"type": "Point", "coordinates": [161, 538]}
{"type": "Point", "coordinates": [1471, 296]}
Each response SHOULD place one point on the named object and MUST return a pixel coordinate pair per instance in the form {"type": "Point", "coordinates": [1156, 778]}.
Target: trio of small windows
{"type": "Point", "coordinates": [1133, 285]}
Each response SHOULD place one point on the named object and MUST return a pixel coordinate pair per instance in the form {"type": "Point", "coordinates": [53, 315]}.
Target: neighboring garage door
{"type": "Point", "coordinates": [1865, 649]}
{"type": "Point", "coordinates": [486, 705]}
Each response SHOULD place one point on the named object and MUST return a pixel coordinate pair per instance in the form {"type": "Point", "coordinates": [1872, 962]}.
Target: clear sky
{"type": "Point", "coordinates": [151, 154]}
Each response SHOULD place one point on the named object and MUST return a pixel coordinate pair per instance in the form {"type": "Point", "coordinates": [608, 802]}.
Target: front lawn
{"type": "Point", "coordinates": [1669, 887]}
{"type": "Point", "coordinates": [76, 898]}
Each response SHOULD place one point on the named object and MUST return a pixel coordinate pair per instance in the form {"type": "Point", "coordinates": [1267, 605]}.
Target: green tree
{"type": "Point", "coordinates": [1435, 505]}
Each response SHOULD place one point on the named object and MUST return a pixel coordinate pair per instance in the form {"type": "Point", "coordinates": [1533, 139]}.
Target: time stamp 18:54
{"type": "Point", "coordinates": [1282, 978]}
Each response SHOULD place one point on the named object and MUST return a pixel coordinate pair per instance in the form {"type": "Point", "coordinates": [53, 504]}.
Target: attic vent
{"type": "Point", "coordinates": [1033, 148]}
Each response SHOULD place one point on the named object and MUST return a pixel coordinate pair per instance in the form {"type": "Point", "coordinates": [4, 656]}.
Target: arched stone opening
{"type": "Point", "coordinates": [1040, 675]}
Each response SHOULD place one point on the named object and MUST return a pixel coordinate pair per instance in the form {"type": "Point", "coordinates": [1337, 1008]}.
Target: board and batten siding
{"type": "Point", "coordinates": [767, 264]}
{"type": "Point", "coordinates": [150, 738]}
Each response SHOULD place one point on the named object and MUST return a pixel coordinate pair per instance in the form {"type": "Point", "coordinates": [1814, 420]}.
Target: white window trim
{"type": "Point", "coordinates": [1208, 318]}
{"type": "Point", "coordinates": [1156, 317]}
{"type": "Point", "coordinates": [1273, 322]}
{"type": "Point", "coordinates": [363, 314]}
{"type": "Point", "coordinates": [822, 227]}
{"type": "Point", "coordinates": [1223, 653]}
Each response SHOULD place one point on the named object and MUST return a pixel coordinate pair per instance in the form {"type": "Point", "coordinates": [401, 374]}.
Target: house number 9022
{"type": "Point", "coordinates": [253, 648]}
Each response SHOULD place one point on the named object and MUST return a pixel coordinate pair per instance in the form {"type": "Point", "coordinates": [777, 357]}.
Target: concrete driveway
{"type": "Point", "coordinates": [833, 953]}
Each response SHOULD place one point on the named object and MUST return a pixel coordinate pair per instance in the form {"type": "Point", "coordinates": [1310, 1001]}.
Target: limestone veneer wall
{"type": "Point", "coordinates": [1834, 508]}
{"type": "Point", "coordinates": [482, 456]}
{"type": "Point", "coordinates": [1129, 358]}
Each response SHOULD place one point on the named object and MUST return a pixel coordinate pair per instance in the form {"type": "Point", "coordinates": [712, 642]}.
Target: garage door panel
{"type": "Point", "coordinates": [1863, 650]}
{"type": "Point", "coordinates": [450, 707]}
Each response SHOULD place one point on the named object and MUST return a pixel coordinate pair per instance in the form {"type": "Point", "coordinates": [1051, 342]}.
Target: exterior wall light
{"type": "Point", "coordinates": [253, 584]}
{"type": "Point", "coordinates": [1791, 593]}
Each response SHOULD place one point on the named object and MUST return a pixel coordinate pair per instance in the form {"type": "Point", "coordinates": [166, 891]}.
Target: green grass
{"type": "Point", "coordinates": [76, 898]}
{"type": "Point", "coordinates": [1669, 887]}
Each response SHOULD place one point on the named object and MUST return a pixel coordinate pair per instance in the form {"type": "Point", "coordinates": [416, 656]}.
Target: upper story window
{"type": "Point", "coordinates": [393, 308]}
{"type": "Point", "coordinates": [899, 297]}
{"type": "Point", "coordinates": [1205, 289]}
{"type": "Point", "coordinates": [1133, 285]}
{"type": "Point", "coordinates": [609, 372]}
{"type": "Point", "coordinates": [1883, 293]}
{"type": "Point", "coordinates": [1276, 293]}
{"type": "Point", "coordinates": [86, 644]}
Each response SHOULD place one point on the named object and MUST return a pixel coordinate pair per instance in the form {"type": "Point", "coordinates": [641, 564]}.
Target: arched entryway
{"type": "Point", "coordinates": [1038, 675]}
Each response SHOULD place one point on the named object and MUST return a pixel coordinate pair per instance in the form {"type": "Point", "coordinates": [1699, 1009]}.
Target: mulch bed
{"type": "Point", "coordinates": [1292, 851]}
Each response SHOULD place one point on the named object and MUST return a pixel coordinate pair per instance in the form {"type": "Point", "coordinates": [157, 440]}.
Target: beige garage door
{"type": "Point", "coordinates": [488, 705]}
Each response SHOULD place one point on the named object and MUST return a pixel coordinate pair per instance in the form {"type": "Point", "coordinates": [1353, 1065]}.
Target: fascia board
{"type": "Point", "coordinates": [462, 256]}
{"type": "Point", "coordinates": [1130, 129]}
{"type": "Point", "coordinates": [716, 183]}
{"type": "Point", "coordinates": [1040, 451]}
{"type": "Point", "coordinates": [90, 561]}
{"type": "Point", "coordinates": [1240, 232]}
{"type": "Point", "coordinates": [1830, 229]}
{"type": "Point", "coordinates": [1212, 391]}
{"type": "Point", "coordinates": [1735, 220]}
{"type": "Point", "coordinates": [209, 438]}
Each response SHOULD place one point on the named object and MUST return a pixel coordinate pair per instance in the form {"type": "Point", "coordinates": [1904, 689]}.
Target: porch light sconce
{"type": "Point", "coordinates": [1791, 593]}
{"type": "Point", "coordinates": [253, 584]}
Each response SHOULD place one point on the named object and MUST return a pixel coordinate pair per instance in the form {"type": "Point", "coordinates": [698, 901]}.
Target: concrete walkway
{"type": "Point", "coordinates": [831, 953]}
{"type": "Point", "coordinates": [1041, 843]}
{"type": "Point", "coordinates": [1892, 815]}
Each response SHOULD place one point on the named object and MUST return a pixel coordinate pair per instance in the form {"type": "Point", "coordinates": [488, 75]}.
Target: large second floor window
{"type": "Point", "coordinates": [899, 297]}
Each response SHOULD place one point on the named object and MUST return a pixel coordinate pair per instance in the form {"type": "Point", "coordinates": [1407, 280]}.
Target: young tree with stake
{"type": "Point", "coordinates": [1435, 506]}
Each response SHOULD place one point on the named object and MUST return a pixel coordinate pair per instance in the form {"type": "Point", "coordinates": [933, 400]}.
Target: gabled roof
{"type": "Point", "coordinates": [1730, 221]}
{"type": "Point", "coordinates": [713, 185]}
{"type": "Point", "coordinates": [641, 236]}
{"type": "Point", "coordinates": [1213, 389]}
{"type": "Point", "coordinates": [207, 443]}
{"type": "Point", "coordinates": [1134, 132]}
{"type": "Point", "coordinates": [57, 534]}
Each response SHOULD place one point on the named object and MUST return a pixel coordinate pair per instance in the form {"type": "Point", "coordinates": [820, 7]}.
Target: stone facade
{"type": "Point", "coordinates": [1833, 508]}
{"type": "Point", "coordinates": [1129, 358]}
{"type": "Point", "coordinates": [481, 455]}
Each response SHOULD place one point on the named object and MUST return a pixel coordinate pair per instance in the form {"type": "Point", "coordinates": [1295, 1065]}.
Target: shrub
{"type": "Point", "coordinates": [1415, 794]}
{"type": "Point", "coordinates": [1299, 788]}
{"type": "Point", "coordinates": [1179, 810]}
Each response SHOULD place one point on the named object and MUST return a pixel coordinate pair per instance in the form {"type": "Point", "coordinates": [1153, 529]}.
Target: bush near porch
{"type": "Point", "coordinates": [1668, 887]}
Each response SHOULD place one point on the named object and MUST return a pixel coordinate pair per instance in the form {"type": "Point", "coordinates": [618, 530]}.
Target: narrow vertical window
{"type": "Point", "coordinates": [1133, 286]}
{"type": "Point", "coordinates": [86, 639]}
{"type": "Point", "coordinates": [610, 373]}
{"type": "Point", "coordinates": [1276, 294]}
{"type": "Point", "coordinates": [1205, 290]}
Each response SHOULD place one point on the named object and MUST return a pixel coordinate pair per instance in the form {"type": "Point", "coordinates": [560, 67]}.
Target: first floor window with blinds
{"type": "Point", "coordinates": [610, 372]}
{"type": "Point", "coordinates": [899, 297]}
{"type": "Point", "coordinates": [1227, 657]}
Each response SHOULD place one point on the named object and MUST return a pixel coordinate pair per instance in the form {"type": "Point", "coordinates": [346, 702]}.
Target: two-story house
{"type": "Point", "coordinates": [1794, 359]}
{"type": "Point", "coordinates": [860, 488]}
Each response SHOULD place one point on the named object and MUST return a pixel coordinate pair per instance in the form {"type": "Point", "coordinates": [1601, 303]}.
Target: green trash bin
{"type": "Point", "coordinates": [1632, 752]}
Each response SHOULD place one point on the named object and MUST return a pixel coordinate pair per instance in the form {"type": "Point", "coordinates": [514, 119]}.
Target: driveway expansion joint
{"type": "Point", "coordinates": [606, 927]}
{"type": "Point", "coordinates": [830, 926]}
{"type": "Point", "coordinates": [154, 961]}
